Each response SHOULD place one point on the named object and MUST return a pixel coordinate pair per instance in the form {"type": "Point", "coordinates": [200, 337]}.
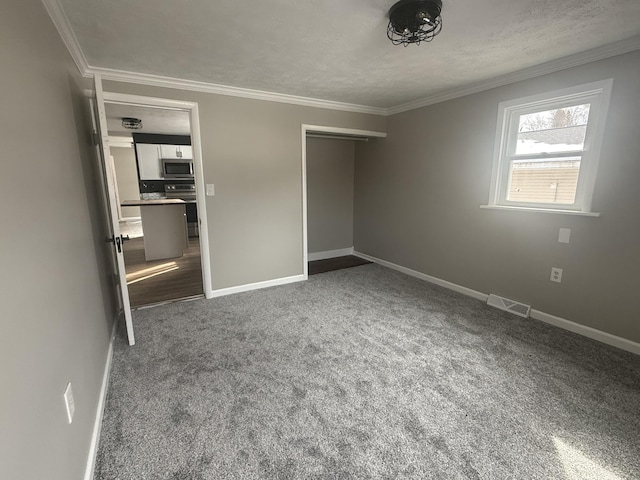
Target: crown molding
{"type": "Point", "coordinates": [582, 58]}
{"type": "Point", "coordinates": [195, 86]}
{"type": "Point", "coordinates": [61, 22]}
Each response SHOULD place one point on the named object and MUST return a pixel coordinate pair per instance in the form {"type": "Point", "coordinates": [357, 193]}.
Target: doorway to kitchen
{"type": "Point", "coordinates": [157, 171]}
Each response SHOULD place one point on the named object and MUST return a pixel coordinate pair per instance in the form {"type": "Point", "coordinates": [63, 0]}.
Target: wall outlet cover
{"type": "Point", "coordinates": [556, 275]}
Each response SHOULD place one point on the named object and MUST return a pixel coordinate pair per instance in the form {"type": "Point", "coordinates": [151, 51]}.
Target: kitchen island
{"type": "Point", "coordinates": [164, 226]}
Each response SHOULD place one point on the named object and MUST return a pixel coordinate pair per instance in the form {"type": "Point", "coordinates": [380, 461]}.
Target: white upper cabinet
{"type": "Point", "coordinates": [176, 151]}
{"type": "Point", "coordinates": [149, 162]}
{"type": "Point", "coordinates": [187, 151]}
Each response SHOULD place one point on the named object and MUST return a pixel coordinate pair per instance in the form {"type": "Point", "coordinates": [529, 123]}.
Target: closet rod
{"type": "Point", "coordinates": [337, 137]}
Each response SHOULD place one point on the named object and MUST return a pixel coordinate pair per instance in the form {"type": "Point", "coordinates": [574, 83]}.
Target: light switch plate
{"type": "Point", "coordinates": [564, 235]}
{"type": "Point", "coordinates": [211, 191]}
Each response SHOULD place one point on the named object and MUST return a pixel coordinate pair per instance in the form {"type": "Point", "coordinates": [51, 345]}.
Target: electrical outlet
{"type": "Point", "coordinates": [211, 190]}
{"type": "Point", "coordinates": [556, 274]}
{"type": "Point", "coordinates": [69, 403]}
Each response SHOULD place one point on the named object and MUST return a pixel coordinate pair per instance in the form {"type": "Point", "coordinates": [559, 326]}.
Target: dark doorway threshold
{"type": "Point", "coordinates": [337, 263]}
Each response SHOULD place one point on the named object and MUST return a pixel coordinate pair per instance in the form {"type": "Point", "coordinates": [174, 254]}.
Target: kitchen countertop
{"type": "Point", "coordinates": [159, 201]}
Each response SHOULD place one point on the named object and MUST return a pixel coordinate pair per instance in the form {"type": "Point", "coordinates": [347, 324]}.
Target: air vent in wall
{"type": "Point", "coordinates": [509, 305]}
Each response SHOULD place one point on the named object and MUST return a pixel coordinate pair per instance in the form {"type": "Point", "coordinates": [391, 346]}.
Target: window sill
{"type": "Point", "coordinates": [541, 210]}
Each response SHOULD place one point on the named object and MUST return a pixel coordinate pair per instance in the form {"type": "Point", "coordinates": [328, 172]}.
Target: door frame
{"type": "Point", "coordinates": [329, 132]}
{"type": "Point", "coordinates": [192, 109]}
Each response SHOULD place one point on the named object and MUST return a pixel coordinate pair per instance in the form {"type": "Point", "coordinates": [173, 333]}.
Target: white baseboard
{"type": "Point", "coordinates": [97, 425]}
{"type": "Point", "coordinates": [599, 335]}
{"type": "Point", "coordinates": [341, 252]}
{"type": "Point", "coordinates": [255, 286]}
{"type": "Point", "coordinates": [422, 276]}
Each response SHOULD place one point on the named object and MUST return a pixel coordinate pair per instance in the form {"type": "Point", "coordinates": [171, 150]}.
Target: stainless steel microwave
{"type": "Point", "coordinates": [177, 168]}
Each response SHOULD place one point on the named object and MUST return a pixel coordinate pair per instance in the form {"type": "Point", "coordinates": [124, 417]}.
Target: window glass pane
{"type": "Point", "coordinates": [552, 180]}
{"type": "Point", "coordinates": [549, 131]}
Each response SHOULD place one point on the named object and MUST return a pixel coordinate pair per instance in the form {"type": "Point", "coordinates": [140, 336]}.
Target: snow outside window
{"type": "Point", "coordinates": [547, 149]}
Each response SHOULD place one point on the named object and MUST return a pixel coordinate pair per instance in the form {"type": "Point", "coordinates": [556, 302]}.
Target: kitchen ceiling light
{"type": "Point", "coordinates": [132, 123]}
{"type": "Point", "coordinates": [414, 21]}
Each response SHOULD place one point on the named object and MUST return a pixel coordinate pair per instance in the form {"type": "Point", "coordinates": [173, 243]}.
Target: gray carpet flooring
{"type": "Point", "coordinates": [364, 373]}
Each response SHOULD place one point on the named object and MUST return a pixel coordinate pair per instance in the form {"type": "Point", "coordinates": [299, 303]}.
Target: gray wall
{"type": "Point", "coordinates": [252, 153]}
{"type": "Point", "coordinates": [418, 194]}
{"type": "Point", "coordinates": [330, 169]}
{"type": "Point", "coordinates": [56, 313]}
{"type": "Point", "coordinates": [127, 178]}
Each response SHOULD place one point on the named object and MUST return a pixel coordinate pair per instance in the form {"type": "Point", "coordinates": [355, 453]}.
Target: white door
{"type": "Point", "coordinates": [100, 127]}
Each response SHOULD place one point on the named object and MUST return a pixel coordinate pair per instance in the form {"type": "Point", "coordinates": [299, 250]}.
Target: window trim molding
{"type": "Point", "coordinates": [600, 91]}
{"type": "Point", "coordinates": [557, 211]}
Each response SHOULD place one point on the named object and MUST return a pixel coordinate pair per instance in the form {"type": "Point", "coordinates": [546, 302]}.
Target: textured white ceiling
{"type": "Point", "coordinates": [337, 49]}
{"type": "Point", "coordinates": [154, 120]}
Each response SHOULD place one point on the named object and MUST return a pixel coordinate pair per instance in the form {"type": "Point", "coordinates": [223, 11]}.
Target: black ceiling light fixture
{"type": "Point", "coordinates": [132, 123]}
{"type": "Point", "coordinates": [414, 21]}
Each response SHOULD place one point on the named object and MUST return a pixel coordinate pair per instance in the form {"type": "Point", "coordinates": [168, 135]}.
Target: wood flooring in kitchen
{"type": "Point", "coordinates": [162, 280]}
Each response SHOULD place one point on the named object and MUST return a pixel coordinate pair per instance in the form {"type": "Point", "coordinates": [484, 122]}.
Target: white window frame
{"type": "Point", "coordinates": [598, 95]}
